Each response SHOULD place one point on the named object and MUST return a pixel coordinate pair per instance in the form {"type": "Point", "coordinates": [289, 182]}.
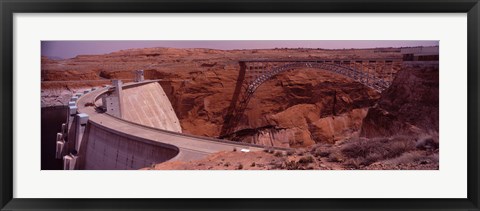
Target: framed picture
{"type": "Point", "coordinates": [239, 105]}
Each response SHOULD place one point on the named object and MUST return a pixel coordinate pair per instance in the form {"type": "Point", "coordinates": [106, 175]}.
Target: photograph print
{"type": "Point", "coordinates": [240, 105]}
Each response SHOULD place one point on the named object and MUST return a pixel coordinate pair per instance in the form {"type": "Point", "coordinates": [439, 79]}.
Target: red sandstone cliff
{"type": "Point", "coordinates": [303, 107]}
{"type": "Point", "coordinates": [409, 106]}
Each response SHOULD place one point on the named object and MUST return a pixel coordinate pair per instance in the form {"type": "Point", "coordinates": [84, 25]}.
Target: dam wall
{"type": "Point", "coordinates": [114, 149]}
{"type": "Point", "coordinates": [145, 134]}
{"type": "Point", "coordinates": [107, 149]}
{"type": "Point", "coordinates": [148, 104]}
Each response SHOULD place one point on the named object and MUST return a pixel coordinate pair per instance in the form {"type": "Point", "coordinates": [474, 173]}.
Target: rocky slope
{"type": "Point", "coordinates": [409, 106]}
{"type": "Point", "coordinates": [393, 153]}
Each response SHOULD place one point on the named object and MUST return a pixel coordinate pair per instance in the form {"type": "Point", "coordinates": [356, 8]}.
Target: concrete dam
{"type": "Point", "coordinates": [129, 126]}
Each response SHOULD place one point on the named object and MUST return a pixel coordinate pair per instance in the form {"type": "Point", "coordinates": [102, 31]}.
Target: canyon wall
{"type": "Point", "coordinates": [290, 110]}
{"type": "Point", "coordinates": [409, 106]}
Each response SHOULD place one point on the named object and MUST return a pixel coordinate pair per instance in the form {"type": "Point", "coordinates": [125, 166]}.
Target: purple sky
{"type": "Point", "coordinates": [70, 49]}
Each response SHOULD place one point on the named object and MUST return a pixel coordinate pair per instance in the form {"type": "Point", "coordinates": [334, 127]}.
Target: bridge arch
{"type": "Point", "coordinates": [246, 88]}
{"type": "Point", "coordinates": [370, 80]}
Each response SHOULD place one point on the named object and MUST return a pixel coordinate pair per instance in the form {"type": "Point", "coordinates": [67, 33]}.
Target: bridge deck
{"type": "Point", "coordinates": [190, 147]}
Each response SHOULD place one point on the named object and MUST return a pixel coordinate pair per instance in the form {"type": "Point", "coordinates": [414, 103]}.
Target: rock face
{"type": "Point", "coordinates": [301, 125]}
{"type": "Point", "coordinates": [304, 107]}
{"type": "Point", "coordinates": [58, 96]}
{"type": "Point", "coordinates": [409, 106]}
{"type": "Point", "coordinates": [290, 110]}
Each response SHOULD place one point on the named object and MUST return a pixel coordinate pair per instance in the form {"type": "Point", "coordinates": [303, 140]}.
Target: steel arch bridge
{"type": "Point", "coordinates": [376, 74]}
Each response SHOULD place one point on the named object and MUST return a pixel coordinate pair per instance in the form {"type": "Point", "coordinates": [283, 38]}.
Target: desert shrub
{"type": "Point", "coordinates": [427, 142]}
{"type": "Point", "coordinates": [335, 157]}
{"type": "Point", "coordinates": [314, 152]}
{"type": "Point", "coordinates": [277, 164]}
{"type": "Point", "coordinates": [306, 160]}
{"type": "Point", "coordinates": [320, 153]}
{"type": "Point", "coordinates": [414, 157]}
{"type": "Point", "coordinates": [240, 166]}
{"type": "Point", "coordinates": [253, 164]}
{"type": "Point", "coordinates": [234, 149]}
{"type": "Point", "coordinates": [314, 148]}
{"type": "Point", "coordinates": [289, 152]}
{"type": "Point", "coordinates": [278, 154]}
{"type": "Point", "coordinates": [354, 163]}
{"type": "Point", "coordinates": [324, 154]}
{"type": "Point", "coordinates": [405, 158]}
{"type": "Point", "coordinates": [292, 165]}
{"type": "Point", "coordinates": [369, 151]}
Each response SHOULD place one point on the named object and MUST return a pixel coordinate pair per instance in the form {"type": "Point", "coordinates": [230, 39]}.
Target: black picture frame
{"type": "Point", "coordinates": [9, 7]}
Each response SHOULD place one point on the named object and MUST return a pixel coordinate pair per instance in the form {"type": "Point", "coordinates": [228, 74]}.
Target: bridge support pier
{"type": "Point", "coordinates": [139, 76]}
{"type": "Point", "coordinates": [390, 75]}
